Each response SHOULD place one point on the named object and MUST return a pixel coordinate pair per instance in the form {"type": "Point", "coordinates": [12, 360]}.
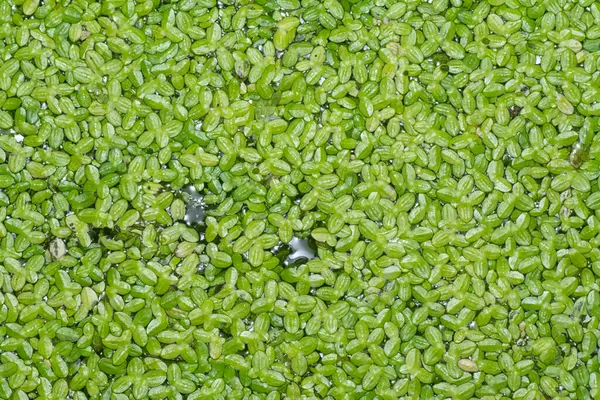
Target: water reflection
{"type": "Point", "coordinates": [297, 252]}
{"type": "Point", "coordinates": [195, 206]}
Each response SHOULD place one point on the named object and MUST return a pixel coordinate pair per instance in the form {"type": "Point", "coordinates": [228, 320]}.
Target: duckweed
{"type": "Point", "coordinates": [285, 199]}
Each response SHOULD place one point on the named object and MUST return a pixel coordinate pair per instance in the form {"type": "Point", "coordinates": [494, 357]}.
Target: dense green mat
{"type": "Point", "coordinates": [276, 199]}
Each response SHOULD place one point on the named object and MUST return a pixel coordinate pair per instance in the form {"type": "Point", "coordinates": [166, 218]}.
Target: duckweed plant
{"type": "Point", "coordinates": [438, 160]}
